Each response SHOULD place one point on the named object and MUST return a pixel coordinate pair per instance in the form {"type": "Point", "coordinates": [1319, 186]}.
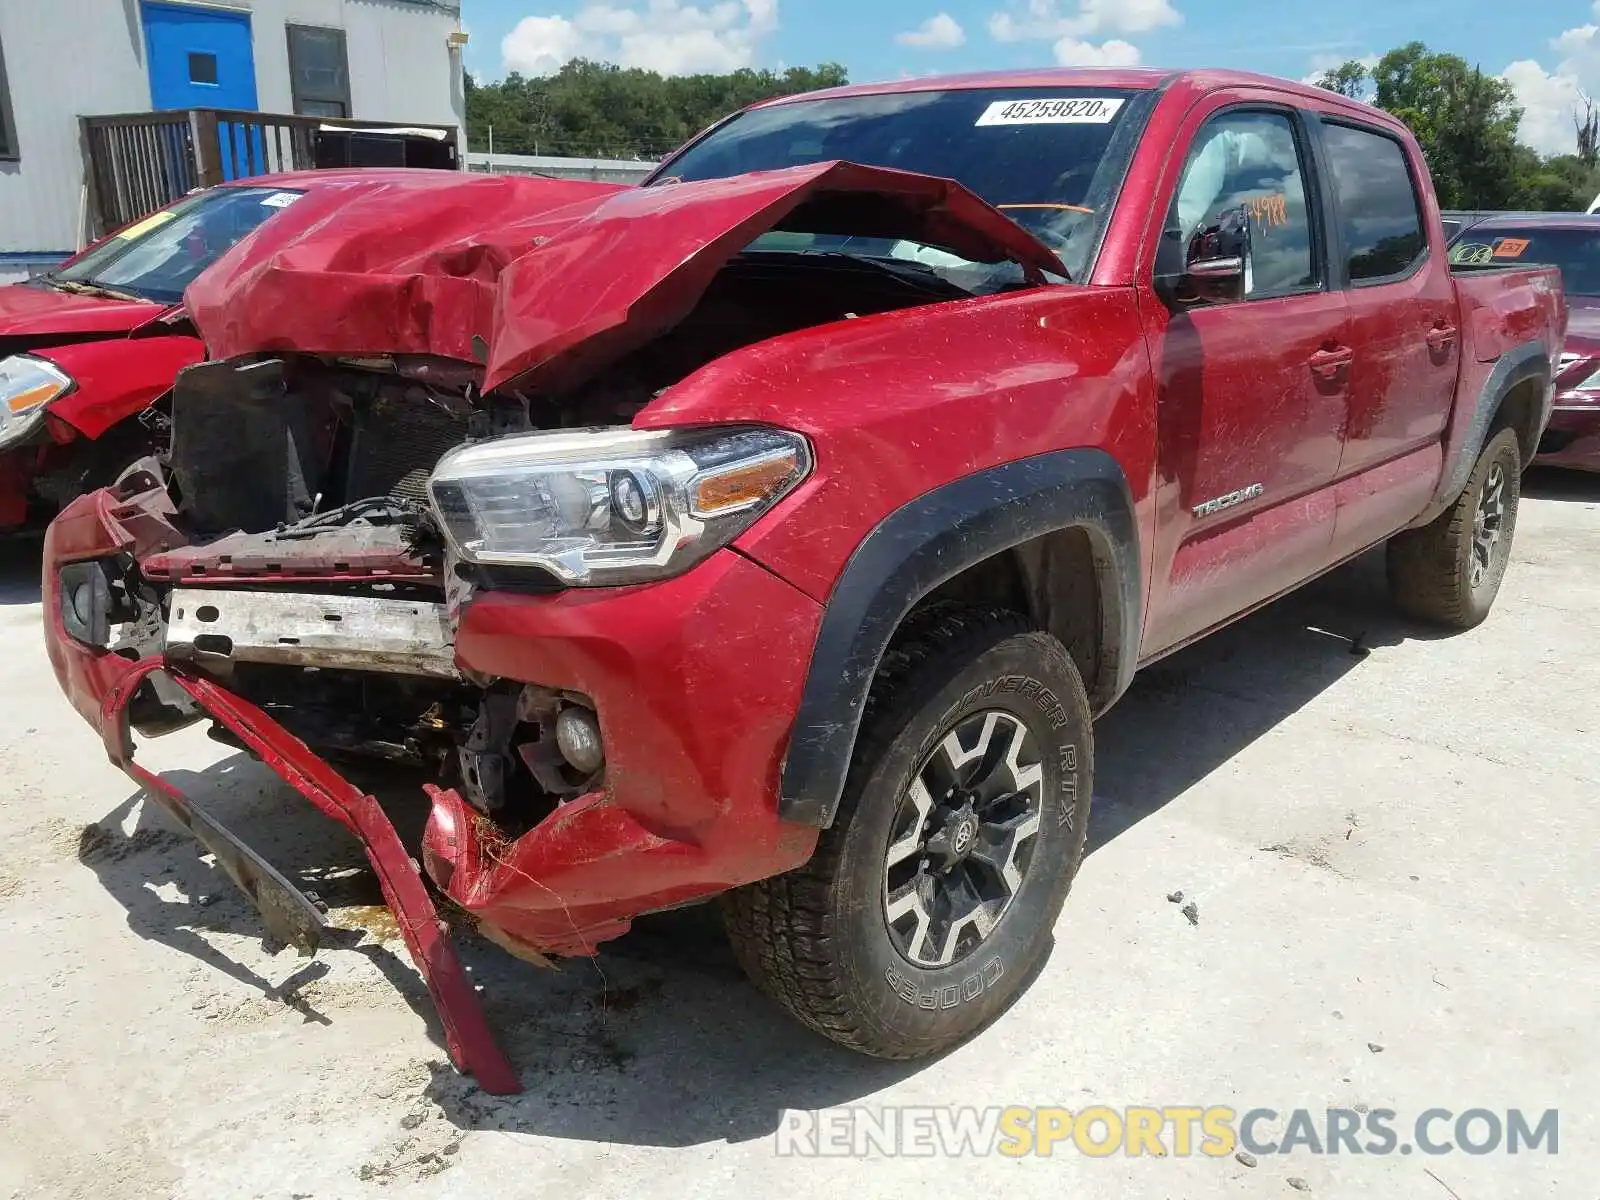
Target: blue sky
{"type": "Point", "coordinates": [1550, 51]}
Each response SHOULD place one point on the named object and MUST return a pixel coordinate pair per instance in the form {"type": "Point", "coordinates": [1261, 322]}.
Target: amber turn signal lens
{"type": "Point", "coordinates": [744, 485]}
{"type": "Point", "coordinates": [25, 401]}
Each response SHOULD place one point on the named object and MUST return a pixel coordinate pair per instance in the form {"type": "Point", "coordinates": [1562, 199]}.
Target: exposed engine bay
{"type": "Point", "coordinates": [316, 582]}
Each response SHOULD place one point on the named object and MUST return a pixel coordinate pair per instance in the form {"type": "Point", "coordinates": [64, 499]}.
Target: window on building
{"type": "Point", "coordinates": [1379, 213]}
{"type": "Point", "coordinates": [319, 72]}
{"type": "Point", "coordinates": [8, 127]}
{"type": "Point", "coordinates": [203, 68]}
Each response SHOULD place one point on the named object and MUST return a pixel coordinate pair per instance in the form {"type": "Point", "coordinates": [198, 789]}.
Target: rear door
{"type": "Point", "coordinates": [1403, 328]}
{"type": "Point", "coordinates": [198, 57]}
{"type": "Point", "coordinates": [1250, 393]}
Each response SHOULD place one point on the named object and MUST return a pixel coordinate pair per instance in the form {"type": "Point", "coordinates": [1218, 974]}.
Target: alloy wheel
{"type": "Point", "coordinates": [963, 838]}
{"type": "Point", "coordinates": [1487, 523]}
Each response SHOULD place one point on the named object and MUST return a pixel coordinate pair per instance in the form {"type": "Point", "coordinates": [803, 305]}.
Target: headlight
{"type": "Point", "coordinates": [27, 384]}
{"type": "Point", "coordinates": [610, 506]}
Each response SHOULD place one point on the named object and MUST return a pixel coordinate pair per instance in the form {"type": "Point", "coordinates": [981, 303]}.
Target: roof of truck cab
{"type": "Point", "coordinates": [1134, 78]}
{"type": "Point", "coordinates": [1540, 220]}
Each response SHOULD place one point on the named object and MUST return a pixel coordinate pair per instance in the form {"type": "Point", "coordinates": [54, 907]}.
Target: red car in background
{"type": "Point", "coordinates": [1571, 243]}
{"type": "Point", "coordinates": [88, 352]}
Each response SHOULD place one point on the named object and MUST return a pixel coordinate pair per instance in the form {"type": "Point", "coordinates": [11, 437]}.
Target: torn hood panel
{"type": "Point", "coordinates": [557, 278]}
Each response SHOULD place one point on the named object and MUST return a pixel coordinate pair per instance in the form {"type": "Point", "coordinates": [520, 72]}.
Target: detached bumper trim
{"type": "Point", "coordinates": [471, 1045]}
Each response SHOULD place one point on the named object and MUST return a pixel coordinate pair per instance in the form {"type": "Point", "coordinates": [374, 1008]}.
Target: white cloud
{"type": "Point", "coordinates": [669, 36]}
{"type": "Point", "coordinates": [1549, 98]}
{"type": "Point", "coordinates": [1044, 20]}
{"type": "Point", "coordinates": [942, 32]}
{"type": "Point", "coordinates": [1113, 53]}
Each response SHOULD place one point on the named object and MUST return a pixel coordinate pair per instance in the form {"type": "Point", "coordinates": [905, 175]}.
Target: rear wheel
{"type": "Point", "coordinates": [931, 899]}
{"type": "Point", "coordinates": [1449, 571]}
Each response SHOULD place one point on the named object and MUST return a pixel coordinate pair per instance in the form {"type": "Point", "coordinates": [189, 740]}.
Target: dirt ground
{"type": "Point", "coordinates": [1391, 845]}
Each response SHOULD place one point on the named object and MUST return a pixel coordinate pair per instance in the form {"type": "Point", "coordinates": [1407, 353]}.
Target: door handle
{"type": "Point", "coordinates": [1441, 336]}
{"type": "Point", "coordinates": [1328, 363]}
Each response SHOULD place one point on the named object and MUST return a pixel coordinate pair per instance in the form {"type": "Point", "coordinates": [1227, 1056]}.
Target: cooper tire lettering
{"type": "Point", "coordinates": [945, 996]}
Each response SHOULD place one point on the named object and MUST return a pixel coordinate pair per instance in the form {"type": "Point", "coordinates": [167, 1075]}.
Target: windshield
{"type": "Point", "coordinates": [158, 257]}
{"type": "Point", "coordinates": [1051, 159]}
{"type": "Point", "coordinates": [1576, 252]}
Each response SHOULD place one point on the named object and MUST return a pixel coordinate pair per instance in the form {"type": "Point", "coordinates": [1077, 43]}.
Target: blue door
{"type": "Point", "coordinates": [198, 57]}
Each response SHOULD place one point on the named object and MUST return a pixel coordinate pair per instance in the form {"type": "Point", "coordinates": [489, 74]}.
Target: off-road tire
{"type": "Point", "coordinates": [1430, 569]}
{"type": "Point", "coordinates": [817, 939]}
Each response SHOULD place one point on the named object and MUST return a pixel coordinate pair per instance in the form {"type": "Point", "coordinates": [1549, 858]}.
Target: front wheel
{"type": "Point", "coordinates": [931, 899]}
{"type": "Point", "coordinates": [1449, 571]}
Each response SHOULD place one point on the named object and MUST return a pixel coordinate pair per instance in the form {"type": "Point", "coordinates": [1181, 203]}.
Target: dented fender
{"type": "Point", "coordinates": [118, 379]}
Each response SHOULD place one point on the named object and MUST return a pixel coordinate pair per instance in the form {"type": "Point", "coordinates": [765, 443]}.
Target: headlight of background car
{"type": "Point", "coordinates": [27, 384]}
{"type": "Point", "coordinates": [610, 506]}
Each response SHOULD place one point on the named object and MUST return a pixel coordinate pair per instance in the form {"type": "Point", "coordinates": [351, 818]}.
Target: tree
{"type": "Point", "coordinates": [1348, 79]}
{"type": "Point", "coordinates": [1588, 135]}
{"type": "Point", "coordinates": [1466, 122]}
{"type": "Point", "coordinates": [592, 109]}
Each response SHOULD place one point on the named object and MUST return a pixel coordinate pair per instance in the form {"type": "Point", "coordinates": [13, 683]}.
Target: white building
{"type": "Point", "coordinates": [371, 60]}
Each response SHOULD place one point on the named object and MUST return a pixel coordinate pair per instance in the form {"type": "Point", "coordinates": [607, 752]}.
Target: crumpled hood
{"type": "Point", "coordinates": [42, 314]}
{"type": "Point", "coordinates": [556, 278]}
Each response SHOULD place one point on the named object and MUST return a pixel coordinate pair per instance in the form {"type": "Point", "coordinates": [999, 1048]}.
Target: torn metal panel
{"type": "Point", "coordinates": [406, 637]}
{"type": "Point", "coordinates": [336, 554]}
{"type": "Point", "coordinates": [556, 279]}
{"type": "Point", "coordinates": [470, 1043]}
{"type": "Point", "coordinates": [288, 914]}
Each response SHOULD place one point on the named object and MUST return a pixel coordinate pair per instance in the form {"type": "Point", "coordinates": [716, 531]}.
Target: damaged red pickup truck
{"type": "Point", "coordinates": [776, 530]}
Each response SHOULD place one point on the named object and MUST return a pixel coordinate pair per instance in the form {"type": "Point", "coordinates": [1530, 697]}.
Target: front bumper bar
{"type": "Point", "coordinates": [471, 1045]}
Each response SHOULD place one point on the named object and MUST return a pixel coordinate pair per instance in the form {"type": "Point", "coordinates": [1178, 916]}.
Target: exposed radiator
{"type": "Point", "coordinates": [397, 442]}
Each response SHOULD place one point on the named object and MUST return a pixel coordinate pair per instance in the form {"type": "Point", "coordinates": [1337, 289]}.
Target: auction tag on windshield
{"type": "Point", "coordinates": [280, 199]}
{"type": "Point", "coordinates": [1085, 110]}
{"type": "Point", "coordinates": [1510, 247]}
{"type": "Point", "coordinates": [154, 221]}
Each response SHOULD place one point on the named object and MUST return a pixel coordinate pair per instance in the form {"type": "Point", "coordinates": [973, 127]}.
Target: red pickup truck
{"type": "Point", "coordinates": [777, 530]}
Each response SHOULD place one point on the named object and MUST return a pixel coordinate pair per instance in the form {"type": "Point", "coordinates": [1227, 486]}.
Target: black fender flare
{"type": "Point", "coordinates": [1530, 360]}
{"type": "Point", "coordinates": [923, 544]}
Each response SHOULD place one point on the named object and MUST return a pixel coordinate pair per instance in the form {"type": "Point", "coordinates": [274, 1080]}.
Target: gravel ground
{"type": "Point", "coordinates": [1389, 851]}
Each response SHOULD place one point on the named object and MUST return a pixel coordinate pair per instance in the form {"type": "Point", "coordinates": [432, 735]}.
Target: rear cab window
{"type": "Point", "coordinates": [1575, 251]}
{"type": "Point", "coordinates": [1379, 210]}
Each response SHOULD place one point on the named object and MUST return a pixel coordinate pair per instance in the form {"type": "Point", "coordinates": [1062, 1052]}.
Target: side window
{"type": "Point", "coordinates": [1380, 216]}
{"type": "Point", "coordinates": [1250, 159]}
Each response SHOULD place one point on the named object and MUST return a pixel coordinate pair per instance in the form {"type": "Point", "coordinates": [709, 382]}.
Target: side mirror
{"type": "Point", "coordinates": [1216, 262]}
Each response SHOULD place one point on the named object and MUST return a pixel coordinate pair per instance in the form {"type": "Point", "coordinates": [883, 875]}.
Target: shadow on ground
{"type": "Point", "coordinates": [1555, 483]}
{"type": "Point", "coordinates": [1187, 715]}
{"type": "Point", "coordinates": [19, 570]}
{"type": "Point", "coordinates": [659, 1041]}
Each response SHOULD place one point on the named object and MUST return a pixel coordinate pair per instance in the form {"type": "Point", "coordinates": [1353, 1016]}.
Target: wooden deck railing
{"type": "Point", "coordinates": [135, 163]}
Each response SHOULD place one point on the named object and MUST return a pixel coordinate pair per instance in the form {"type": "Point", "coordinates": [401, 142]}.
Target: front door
{"type": "Point", "coordinates": [1250, 392]}
{"type": "Point", "coordinates": [198, 57]}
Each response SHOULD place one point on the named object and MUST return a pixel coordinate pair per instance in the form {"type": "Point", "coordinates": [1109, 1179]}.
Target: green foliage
{"type": "Point", "coordinates": [1351, 79]}
{"type": "Point", "coordinates": [591, 109]}
{"type": "Point", "coordinates": [1466, 123]}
